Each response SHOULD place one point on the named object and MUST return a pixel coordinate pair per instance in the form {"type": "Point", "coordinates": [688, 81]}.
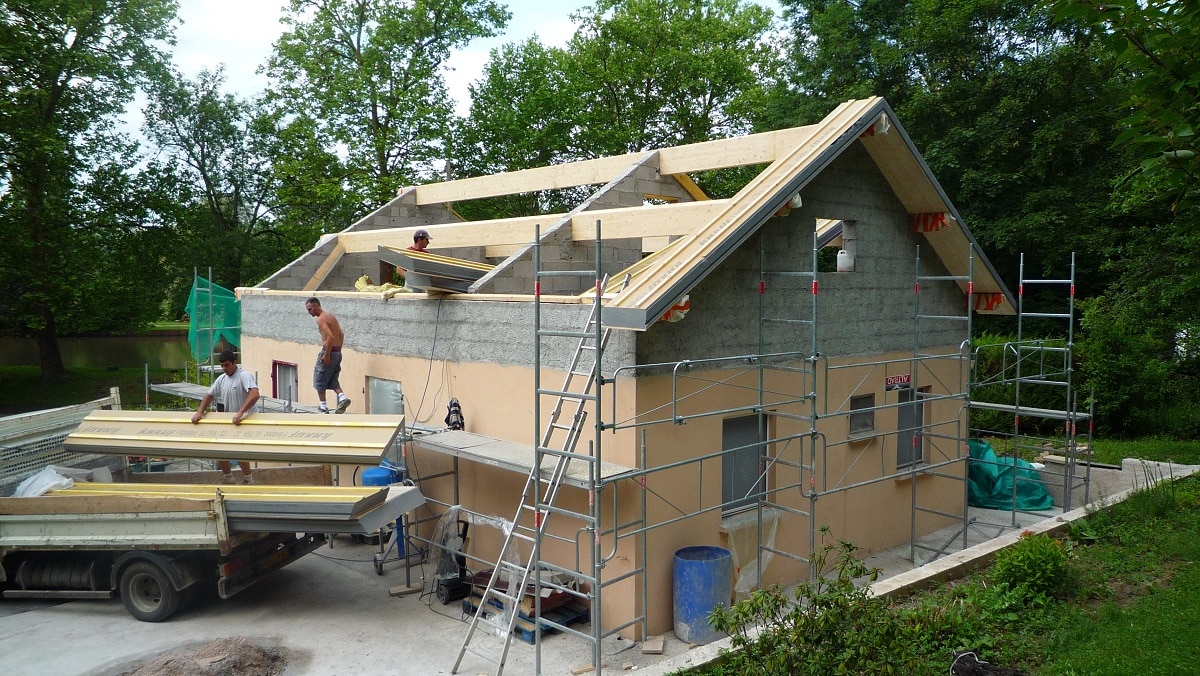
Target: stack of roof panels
{"type": "Point", "coordinates": [430, 272]}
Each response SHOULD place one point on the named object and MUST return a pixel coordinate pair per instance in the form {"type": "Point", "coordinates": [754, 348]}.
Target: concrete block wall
{"type": "Point", "coordinates": [352, 266]}
{"type": "Point", "coordinates": [403, 212]}
{"type": "Point", "coordinates": [559, 252]}
{"type": "Point", "coordinates": [400, 212]}
{"type": "Point", "coordinates": [459, 330]}
{"type": "Point", "coordinates": [869, 311]}
{"type": "Point", "coordinates": [296, 274]}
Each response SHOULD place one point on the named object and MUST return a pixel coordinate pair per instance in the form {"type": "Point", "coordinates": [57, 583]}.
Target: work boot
{"type": "Point", "coordinates": [228, 478]}
{"type": "Point", "coordinates": [343, 404]}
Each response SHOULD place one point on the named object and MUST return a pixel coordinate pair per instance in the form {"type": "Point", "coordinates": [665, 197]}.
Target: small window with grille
{"type": "Point", "coordinates": [861, 420]}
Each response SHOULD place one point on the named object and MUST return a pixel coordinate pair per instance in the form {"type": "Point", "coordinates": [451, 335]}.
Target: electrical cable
{"type": "Point", "coordinates": [437, 322]}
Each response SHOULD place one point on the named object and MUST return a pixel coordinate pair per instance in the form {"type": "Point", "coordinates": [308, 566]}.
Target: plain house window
{"type": "Point", "coordinates": [742, 478]}
{"type": "Point", "coordinates": [285, 381]}
{"type": "Point", "coordinates": [910, 421]}
{"type": "Point", "coordinates": [861, 420]}
{"type": "Point", "coordinates": [384, 397]}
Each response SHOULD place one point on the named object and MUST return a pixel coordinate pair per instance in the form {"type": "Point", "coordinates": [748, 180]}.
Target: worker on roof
{"type": "Point", "coordinates": [234, 390]}
{"type": "Point", "coordinates": [329, 359]}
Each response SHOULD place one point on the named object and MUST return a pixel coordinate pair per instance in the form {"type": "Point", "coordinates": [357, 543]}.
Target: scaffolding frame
{"type": "Point", "coordinates": [939, 444]}
{"type": "Point", "coordinates": [1033, 365]}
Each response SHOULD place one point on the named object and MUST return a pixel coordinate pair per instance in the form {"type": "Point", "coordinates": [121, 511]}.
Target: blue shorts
{"type": "Point", "coordinates": [325, 377]}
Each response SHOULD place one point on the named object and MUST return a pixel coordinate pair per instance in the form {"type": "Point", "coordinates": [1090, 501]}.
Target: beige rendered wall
{"type": "Point", "coordinates": [498, 401]}
{"type": "Point", "coordinates": [874, 516]}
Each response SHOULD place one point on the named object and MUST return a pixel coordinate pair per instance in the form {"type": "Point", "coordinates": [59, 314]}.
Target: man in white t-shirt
{"type": "Point", "coordinates": [234, 391]}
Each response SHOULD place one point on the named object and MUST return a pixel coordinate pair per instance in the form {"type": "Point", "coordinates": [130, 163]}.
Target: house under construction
{"type": "Point", "coordinates": [655, 369]}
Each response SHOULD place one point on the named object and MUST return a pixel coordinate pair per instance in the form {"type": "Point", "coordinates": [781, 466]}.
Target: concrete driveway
{"type": "Point", "coordinates": [329, 612]}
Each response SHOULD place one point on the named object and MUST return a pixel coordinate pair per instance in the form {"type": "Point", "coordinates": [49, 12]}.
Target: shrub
{"type": "Point", "coordinates": [831, 626]}
{"type": "Point", "coordinates": [1037, 565]}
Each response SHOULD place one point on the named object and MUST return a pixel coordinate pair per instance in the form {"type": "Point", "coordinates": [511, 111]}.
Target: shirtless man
{"type": "Point", "coordinates": [329, 361]}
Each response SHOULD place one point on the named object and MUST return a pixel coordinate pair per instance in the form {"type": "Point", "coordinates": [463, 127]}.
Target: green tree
{"type": "Point", "coordinates": [68, 68]}
{"type": "Point", "coordinates": [637, 75]}
{"type": "Point", "coordinates": [1013, 113]}
{"type": "Point", "coordinates": [1156, 41]}
{"type": "Point", "coordinates": [209, 143]}
{"type": "Point", "coordinates": [365, 77]}
{"type": "Point", "coordinates": [656, 73]}
{"type": "Point", "coordinates": [523, 114]}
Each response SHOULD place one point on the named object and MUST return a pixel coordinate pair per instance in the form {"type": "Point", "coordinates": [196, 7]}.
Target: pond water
{"type": "Point", "coordinates": [168, 352]}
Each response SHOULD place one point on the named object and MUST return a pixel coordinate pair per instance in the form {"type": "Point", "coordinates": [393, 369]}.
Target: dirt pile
{"type": "Point", "coordinates": [224, 657]}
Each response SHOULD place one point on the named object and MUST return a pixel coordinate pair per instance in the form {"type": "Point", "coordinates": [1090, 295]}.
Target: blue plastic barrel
{"type": "Point", "coordinates": [379, 476]}
{"type": "Point", "coordinates": [703, 581]}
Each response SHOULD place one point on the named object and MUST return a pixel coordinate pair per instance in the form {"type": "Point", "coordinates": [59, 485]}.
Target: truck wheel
{"type": "Point", "coordinates": [147, 592]}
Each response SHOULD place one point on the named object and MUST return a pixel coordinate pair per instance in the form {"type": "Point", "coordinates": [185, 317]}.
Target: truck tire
{"type": "Point", "coordinates": [147, 592]}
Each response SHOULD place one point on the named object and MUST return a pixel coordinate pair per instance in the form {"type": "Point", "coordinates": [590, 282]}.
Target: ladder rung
{"type": "Point", "coordinates": [502, 595]}
{"type": "Point", "coordinates": [569, 395]}
{"type": "Point", "coordinates": [566, 334]}
{"type": "Point", "coordinates": [523, 536]}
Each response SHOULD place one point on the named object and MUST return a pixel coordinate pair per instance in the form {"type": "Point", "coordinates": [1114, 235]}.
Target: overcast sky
{"type": "Point", "coordinates": [209, 36]}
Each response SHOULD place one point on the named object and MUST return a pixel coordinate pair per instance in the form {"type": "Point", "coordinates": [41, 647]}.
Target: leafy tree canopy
{"type": "Point", "coordinates": [67, 67]}
{"type": "Point", "coordinates": [364, 79]}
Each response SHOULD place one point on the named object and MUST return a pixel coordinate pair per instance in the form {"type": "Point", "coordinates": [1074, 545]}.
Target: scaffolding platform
{"type": "Point", "coordinates": [508, 455]}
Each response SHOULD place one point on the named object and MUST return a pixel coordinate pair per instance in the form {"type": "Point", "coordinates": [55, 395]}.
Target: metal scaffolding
{"type": "Point", "coordinates": [794, 407]}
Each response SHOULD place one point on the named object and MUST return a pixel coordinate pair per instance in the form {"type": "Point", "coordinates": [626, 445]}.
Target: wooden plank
{"type": "Point", "coordinates": [904, 173]}
{"type": "Point", "coordinates": [79, 503]}
{"type": "Point", "coordinates": [660, 220]}
{"type": "Point", "coordinates": [690, 187]}
{"type": "Point", "coordinates": [717, 154]}
{"type": "Point", "coordinates": [322, 272]}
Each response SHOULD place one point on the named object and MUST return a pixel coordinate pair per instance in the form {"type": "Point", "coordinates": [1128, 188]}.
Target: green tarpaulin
{"type": "Point", "coordinates": [215, 314]}
{"type": "Point", "coordinates": [990, 481]}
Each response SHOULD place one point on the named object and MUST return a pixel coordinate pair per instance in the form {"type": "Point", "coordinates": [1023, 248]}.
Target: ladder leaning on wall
{"type": "Point", "coordinates": [497, 609]}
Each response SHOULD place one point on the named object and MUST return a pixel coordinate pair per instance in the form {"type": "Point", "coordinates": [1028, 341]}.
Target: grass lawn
{"type": "Point", "coordinates": [22, 389]}
{"type": "Point", "coordinates": [1156, 635]}
{"type": "Point", "coordinates": [1125, 603]}
{"type": "Point", "coordinates": [1163, 450]}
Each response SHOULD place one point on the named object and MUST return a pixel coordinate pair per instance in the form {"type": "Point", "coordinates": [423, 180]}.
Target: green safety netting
{"type": "Point", "coordinates": [990, 481]}
{"type": "Point", "coordinates": [215, 314]}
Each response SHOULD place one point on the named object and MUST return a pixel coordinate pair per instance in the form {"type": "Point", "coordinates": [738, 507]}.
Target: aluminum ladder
{"type": "Point", "coordinates": [552, 457]}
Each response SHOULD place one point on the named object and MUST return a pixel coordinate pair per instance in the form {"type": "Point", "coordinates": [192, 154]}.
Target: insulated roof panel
{"type": "Point", "coordinates": [276, 437]}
